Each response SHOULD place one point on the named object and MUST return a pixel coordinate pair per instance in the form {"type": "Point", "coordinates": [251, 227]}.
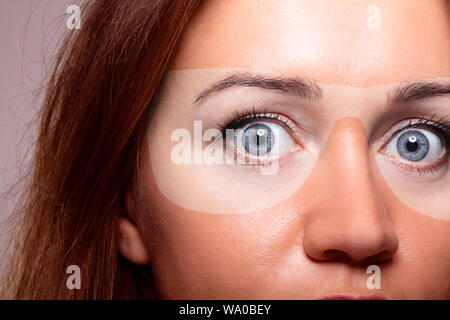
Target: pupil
{"type": "Point", "coordinates": [258, 139]}
{"type": "Point", "coordinates": [412, 146]}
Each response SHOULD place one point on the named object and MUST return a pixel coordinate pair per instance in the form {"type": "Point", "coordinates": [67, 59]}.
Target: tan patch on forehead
{"type": "Point", "coordinates": [329, 42]}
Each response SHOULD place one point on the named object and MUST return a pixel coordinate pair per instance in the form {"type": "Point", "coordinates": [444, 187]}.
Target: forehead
{"type": "Point", "coordinates": [344, 42]}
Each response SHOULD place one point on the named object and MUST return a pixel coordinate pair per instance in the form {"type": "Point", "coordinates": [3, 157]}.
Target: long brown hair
{"type": "Point", "coordinates": [92, 122]}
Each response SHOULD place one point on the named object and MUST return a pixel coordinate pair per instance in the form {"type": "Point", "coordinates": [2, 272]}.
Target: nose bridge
{"type": "Point", "coordinates": [346, 214]}
{"type": "Point", "coordinates": [345, 163]}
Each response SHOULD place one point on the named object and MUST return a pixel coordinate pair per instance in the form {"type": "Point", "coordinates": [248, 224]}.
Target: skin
{"type": "Point", "coordinates": [319, 240]}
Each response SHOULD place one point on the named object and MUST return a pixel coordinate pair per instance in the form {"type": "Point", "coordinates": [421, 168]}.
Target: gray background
{"type": "Point", "coordinates": [29, 35]}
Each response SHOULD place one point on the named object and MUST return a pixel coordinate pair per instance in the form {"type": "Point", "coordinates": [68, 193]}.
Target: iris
{"type": "Point", "coordinates": [413, 145]}
{"type": "Point", "coordinates": [258, 139]}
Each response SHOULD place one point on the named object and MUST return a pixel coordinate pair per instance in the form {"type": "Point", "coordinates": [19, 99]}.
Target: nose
{"type": "Point", "coordinates": [345, 215]}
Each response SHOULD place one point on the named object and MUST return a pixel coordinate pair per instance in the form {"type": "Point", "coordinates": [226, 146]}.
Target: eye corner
{"type": "Point", "coordinates": [415, 148]}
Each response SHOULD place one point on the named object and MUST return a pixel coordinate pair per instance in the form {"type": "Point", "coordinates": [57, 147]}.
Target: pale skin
{"type": "Point", "coordinates": [348, 214]}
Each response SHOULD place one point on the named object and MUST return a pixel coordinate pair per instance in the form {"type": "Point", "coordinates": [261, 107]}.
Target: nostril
{"type": "Point", "coordinates": [381, 257]}
{"type": "Point", "coordinates": [363, 256]}
{"type": "Point", "coordinates": [332, 254]}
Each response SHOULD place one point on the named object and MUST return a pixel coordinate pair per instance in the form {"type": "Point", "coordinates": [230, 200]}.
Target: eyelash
{"type": "Point", "coordinates": [250, 115]}
{"type": "Point", "coordinates": [239, 119]}
{"type": "Point", "coordinates": [441, 126]}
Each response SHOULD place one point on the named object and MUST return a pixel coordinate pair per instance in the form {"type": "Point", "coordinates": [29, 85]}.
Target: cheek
{"type": "Point", "coordinates": [261, 255]}
{"type": "Point", "coordinates": [230, 256]}
{"type": "Point", "coordinates": [423, 259]}
{"type": "Point", "coordinates": [224, 256]}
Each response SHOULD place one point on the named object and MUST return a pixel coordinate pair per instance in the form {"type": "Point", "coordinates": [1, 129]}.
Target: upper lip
{"type": "Point", "coordinates": [352, 297]}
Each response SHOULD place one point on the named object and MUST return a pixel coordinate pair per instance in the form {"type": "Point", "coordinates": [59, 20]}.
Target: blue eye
{"type": "Point", "coordinates": [416, 145]}
{"type": "Point", "coordinates": [263, 139]}
{"type": "Point", "coordinates": [258, 139]}
{"type": "Point", "coordinates": [413, 145]}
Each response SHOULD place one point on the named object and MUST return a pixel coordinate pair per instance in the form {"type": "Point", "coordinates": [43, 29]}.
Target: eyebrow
{"type": "Point", "coordinates": [405, 93]}
{"type": "Point", "coordinates": [303, 88]}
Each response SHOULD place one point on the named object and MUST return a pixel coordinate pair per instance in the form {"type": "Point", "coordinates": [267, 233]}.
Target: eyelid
{"type": "Point", "coordinates": [238, 120]}
{"type": "Point", "coordinates": [241, 121]}
{"type": "Point", "coordinates": [418, 168]}
{"type": "Point", "coordinates": [440, 127]}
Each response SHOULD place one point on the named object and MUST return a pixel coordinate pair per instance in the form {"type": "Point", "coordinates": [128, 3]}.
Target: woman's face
{"type": "Point", "coordinates": [335, 158]}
